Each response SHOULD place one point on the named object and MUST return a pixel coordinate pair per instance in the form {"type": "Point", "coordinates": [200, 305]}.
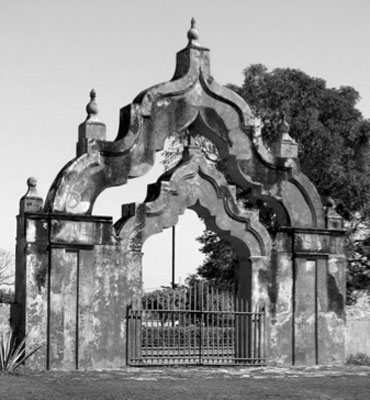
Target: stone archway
{"type": "Point", "coordinates": [76, 272]}
{"type": "Point", "coordinates": [195, 185]}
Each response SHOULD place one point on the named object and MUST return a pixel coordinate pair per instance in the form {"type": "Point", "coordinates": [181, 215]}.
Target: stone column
{"type": "Point", "coordinates": [29, 313]}
{"type": "Point", "coordinates": [319, 296]}
{"type": "Point", "coordinates": [280, 291]}
{"type": "Point", "coordinates": [331, 290]}
{"type": "Point", "coordinates": [304, 343]}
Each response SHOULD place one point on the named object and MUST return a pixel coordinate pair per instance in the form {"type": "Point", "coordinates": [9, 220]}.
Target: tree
{"type": "Point", "coordinates": [334, 149]}
{"type": "Point", "coordinates": [332, 134]}
{"type": "Point", "coordinates": [6, 267]}
{"type": "Point", "coordinates": [358, 252]}
{"type": "Point", "coordinates": [220, 262]}
{"type": "Point", "coordinates": [6, 275]}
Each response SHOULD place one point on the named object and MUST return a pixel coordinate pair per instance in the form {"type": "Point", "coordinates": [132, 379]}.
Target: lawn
{"type": "Point", "coordinates": [189, 383]}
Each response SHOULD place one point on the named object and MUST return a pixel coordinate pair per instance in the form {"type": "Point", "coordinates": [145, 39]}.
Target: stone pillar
{"type": "Point", "coordinates": [110, 280]}
{"type": "Point", "coordinates": [63, 308]}
{"type": "Point", "coordinates": [319, 297]}
{"type": "Point", "coordinates": [280, 291]}
{"type": "Point", "coordinates": [259, 266]}
{"type": "Point", "coordinates": [272, 285]}
{"type": "Point", "coordinates": [305, 317]}
{"type": "Point", "coordinates": [29, 313]}
{"type": "Point", "coordinates": [331, 298]}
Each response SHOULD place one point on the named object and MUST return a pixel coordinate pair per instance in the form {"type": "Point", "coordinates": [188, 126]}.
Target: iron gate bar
{"type": "Point", "coordinates": [200, 325]}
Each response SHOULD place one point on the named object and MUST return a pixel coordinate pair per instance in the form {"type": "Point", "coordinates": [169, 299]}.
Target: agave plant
{"type": "Point", "coordinates": [12, 352]}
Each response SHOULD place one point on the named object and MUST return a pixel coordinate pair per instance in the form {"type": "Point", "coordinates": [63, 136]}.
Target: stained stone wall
{"type": "Point", "coordinates": [74, 292]}
{"type": "Point", "coordinates": [358, 326]}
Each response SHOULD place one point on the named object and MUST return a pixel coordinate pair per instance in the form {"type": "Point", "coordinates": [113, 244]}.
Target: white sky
{"type": "Point", "coordinates": [53, 52]}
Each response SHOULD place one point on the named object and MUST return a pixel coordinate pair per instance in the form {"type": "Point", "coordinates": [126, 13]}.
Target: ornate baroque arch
{"type": "Point", "coordinates": [195, 185]}
{"type": "Point", "coordinates": [193, 100]}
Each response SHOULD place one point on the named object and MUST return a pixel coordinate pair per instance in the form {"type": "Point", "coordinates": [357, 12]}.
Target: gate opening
{"type": "Point", "coordinates": [195, 325]}
{"type": "Point", "coordinates": [170, 256]}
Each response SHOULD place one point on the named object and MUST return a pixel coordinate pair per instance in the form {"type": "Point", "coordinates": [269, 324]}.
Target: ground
{"type": "Point", "coordinates": [349, 382]}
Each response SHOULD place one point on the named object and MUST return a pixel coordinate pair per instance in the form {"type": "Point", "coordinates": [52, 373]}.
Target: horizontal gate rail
{"type": "Point", "coordinates": [201, 325]}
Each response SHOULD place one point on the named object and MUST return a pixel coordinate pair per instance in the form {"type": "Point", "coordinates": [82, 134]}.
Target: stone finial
{"type": "Point", "coordinates": [332, 218]}
{"type": "Point", "coordinates": [284, 130]}
{"type": "Point", "coordinates": [285, 146]}
{"type": "Point", "coordinates": [31, 201]}
{"type": "Point", "coordinates": [92, 108]}
{"type": "Point", "coordinates": [193, 34]}
{"type": "Point", "coordinates": [91, 129]}
{"type": "Point", "coordinates": [330, 204]}
{"type": "Point", "coordinates": [32, 183]}
{"type": "Point", "coordinates": [284, 127]}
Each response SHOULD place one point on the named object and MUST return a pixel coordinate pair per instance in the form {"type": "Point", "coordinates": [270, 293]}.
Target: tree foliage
{"type": "Point", "coordinates": [333, 142]}
{"type": "Point", "coordinates": [333, 136]}
{"type": "Point", "coordinates": [358, 253]}
{"type": "Point", "coordinates": [6, 275]}
{"type": "Point", "coordinates": [220, 261]}
{"type": "Point", "coordinates": [6, 267]}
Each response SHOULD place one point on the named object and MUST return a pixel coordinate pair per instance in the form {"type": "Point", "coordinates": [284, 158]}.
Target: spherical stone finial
{"type": "Point", "coordinates": [32, 190]}
{"type": "Point", "coordinates": [31, 182]}
{"type": "Point", "coordinates": [92, 108]}
{"type": "Point", "coordinates": [330, 202]}
{"type": "Point", "coordinates": [193, 34]}
{"type": "Point", "coordinates": [31, 201]}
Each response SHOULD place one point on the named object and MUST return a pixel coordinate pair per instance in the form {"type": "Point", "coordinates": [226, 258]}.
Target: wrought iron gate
{"type": "Point", "coordinates": [199, 325]}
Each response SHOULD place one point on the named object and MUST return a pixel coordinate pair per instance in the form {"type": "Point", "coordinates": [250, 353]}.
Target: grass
{"type": "Point", "coordinates": [186, 384]}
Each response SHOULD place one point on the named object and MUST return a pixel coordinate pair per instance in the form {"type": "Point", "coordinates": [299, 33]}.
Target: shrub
{"type": "Point", "coordinates": [12, 352]}
{"type": "Point", "coordinates": [6, 296]}
{"type": "Point", "coordinates": [187, 336]}
{"type": "Point", "coordinates": [359, 359]}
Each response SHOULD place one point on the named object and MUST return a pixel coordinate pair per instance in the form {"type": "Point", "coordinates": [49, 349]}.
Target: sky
{"type": "Point", "coordinates": [54, 52]}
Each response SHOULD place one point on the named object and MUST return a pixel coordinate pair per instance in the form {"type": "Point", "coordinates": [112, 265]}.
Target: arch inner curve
{"type": "Point", "coordinates": [196, 185]}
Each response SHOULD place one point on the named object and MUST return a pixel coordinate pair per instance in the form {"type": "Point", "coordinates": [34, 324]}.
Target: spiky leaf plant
{"type": "Point", "coordinates": [12, 353]}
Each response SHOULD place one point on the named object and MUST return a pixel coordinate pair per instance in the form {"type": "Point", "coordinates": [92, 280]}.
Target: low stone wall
{"type": "Point", "coordinates": [358, 329]}
{"type": "Point", "coordinates": [4, 317]}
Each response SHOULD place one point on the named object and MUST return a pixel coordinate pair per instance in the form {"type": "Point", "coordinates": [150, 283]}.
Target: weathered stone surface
{"type": "Point", "coordinates": [358, 327]}
{"type": "Point", "coordinates": [110, 280]}
{"type": "Point", "coordinates": [280, 287]}
{"type": "Point", "coordinates": [63, 309]}
{"type": "Point", "coordinates": [305, 312]}
{"type": "Point", "coordinates": [331, 309]}
{"type": "Point", "coordinates": [94, 231]}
